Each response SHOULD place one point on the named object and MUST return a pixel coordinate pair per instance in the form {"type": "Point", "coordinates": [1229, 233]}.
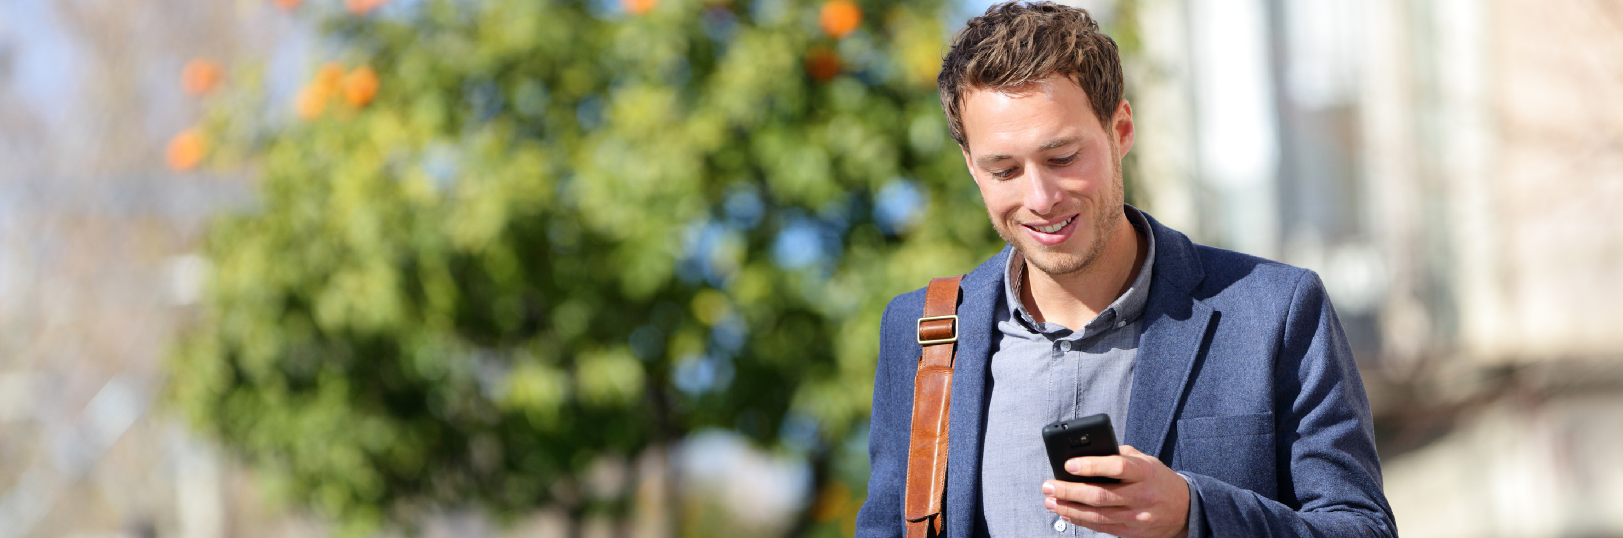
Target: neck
{"type": "Point", "coordinates": [1074, 299]}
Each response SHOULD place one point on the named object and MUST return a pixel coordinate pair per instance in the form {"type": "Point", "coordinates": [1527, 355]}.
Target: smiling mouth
{"type": "Point", "coordinates": [1054, 227]}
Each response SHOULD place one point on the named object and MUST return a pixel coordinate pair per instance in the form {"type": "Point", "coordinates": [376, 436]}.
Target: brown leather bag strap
{"type": "Point", "coordinates": [932, 401]}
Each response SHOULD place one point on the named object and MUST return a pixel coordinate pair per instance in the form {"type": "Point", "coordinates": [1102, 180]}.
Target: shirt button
{"type": "Point", "coordinates": [1059, 525]}
{"type": "Point", "coordinates": [1065, 345]}
{"type": "Point", "coordinates": [1121, 324]}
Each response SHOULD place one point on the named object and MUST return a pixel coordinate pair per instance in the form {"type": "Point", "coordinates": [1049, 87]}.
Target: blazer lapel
{"type": "Point", "coordinates": [982, 289]}
{"type": "Point", "coordinates": [1174, 326]}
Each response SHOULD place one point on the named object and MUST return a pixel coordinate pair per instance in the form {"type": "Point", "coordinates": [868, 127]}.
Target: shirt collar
{"type": "Point", "coordinates": [1124, 309]}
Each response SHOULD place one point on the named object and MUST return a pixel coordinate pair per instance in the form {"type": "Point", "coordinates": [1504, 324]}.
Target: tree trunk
{"type": "Point", "coordinates": [821, 467]}
{"type": "Point", "coordinates": [667, 439]}
{"type": "Point", "coordinates": [626, 511]}
{"type": "Point", "coordinates": [573, 526]}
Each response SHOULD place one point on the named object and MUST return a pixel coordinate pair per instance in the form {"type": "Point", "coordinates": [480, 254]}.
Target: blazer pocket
{"type": "Point", "coordinates": [1230, 426]}
{"type": "Point", "coordinates": [1236, 449]}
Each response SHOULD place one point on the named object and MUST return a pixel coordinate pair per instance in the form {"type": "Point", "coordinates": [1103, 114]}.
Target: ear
{"type": "Point", "coordinates": [1122, 127]}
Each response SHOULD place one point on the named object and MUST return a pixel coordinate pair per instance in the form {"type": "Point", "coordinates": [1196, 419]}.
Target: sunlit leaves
{"type": "Point", "coordinates": [609, 378]}
{"type": "Point", "coordinates": [538, 390]}
{"type": "Point", "coordinates": [511, 236]}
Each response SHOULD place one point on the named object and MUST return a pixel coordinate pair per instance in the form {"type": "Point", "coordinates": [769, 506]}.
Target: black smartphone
{"type": "Point", "coordinates": [1078, 437]}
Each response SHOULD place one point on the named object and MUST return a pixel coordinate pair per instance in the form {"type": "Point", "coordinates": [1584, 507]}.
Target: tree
{"type": "Point", "coordinates": [551, 230]}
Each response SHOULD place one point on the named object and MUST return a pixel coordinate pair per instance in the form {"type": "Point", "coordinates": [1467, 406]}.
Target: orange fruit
{"type": "Point", "coordinates": [201, 76]}
{"type": "Point", "coordinates": [311, 101]}
{"type": "Point", "coordinates": [360, 86]}
{"type": "Point", "coordinates": [840, 17]}
{"type": "Point", "coordinates": [329, 77]}
{"type": "Point", "coordinates": [361, 7]}
{"type": "Point", "coordinates": [638, 7]}
{"type": "Point", "coordinates": [286, 5]}
{"type": "Point", "coordinates": [822, 64]}
{"type": "Point", "coordinates": [186, 150]}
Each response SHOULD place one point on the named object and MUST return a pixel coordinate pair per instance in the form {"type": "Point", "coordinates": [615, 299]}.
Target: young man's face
{"type": "Point", "coordinates": [1050, 174]}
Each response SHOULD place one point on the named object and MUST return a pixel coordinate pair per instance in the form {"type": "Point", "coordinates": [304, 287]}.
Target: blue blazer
{"type": "Point", "coordinates": [1244, 382]}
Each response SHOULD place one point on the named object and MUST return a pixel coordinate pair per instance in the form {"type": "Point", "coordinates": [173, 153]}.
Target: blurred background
{"type": "Point", "coordinates": [615, 267]}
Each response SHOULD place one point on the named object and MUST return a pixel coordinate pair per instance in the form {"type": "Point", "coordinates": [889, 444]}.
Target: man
{"type": "Point", "coordinates": [1227, 377]}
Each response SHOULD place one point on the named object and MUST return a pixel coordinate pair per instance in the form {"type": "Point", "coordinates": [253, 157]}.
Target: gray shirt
{"type": "Point", "coordinates": [1043, 372]}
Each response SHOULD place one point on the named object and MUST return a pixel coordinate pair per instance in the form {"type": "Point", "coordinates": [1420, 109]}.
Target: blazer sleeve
{"type": "Point", "coordinates": [891, 420]}
{"type": "Point", "coordinates": [1329, 474]}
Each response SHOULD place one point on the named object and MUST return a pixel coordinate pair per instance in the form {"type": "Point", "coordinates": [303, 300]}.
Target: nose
{"type": "Point", "coordinates": [1042, 191]}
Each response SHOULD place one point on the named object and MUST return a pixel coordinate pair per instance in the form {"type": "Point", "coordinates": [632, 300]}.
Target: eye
{"type": "Point", "coordinates": [1005, 173]}
{"type": "Point", "coordinates": [1062, 161]}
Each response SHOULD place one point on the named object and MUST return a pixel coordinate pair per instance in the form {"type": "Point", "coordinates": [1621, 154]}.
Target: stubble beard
{"type": "Point", "coordinates": [1055, 261]}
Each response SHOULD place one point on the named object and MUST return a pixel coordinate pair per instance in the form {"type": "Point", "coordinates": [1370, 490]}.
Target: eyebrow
{"type": "Point", "coordinates": [1051, 144]}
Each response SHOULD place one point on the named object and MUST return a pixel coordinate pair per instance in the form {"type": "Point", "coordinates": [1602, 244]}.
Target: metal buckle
{"type": "Point", "coordinates": [954, 338]}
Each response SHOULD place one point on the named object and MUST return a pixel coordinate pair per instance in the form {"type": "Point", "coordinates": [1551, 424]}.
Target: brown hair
{"type": "Point", "coordinates": [1015, 44]}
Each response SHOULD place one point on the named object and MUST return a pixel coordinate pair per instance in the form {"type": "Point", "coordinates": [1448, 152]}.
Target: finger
{"type": "Point", "coordinates": [1087, 494]}
{"type": "Point", "coordinates": [1106, 466]}
{"type": "Point", "coordinates": [1081, 514]}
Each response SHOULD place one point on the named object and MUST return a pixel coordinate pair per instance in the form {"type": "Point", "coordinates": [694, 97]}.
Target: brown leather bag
{"type": "Point", "coordinates": [932, 403]}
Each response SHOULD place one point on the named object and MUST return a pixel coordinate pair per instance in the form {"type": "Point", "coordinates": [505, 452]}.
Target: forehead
{"type": "Point", "coordinates": [1030, 114]}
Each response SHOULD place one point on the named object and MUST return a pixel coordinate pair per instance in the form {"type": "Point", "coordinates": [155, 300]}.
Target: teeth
{"type": "Point", "coordinates": [1054, 228]}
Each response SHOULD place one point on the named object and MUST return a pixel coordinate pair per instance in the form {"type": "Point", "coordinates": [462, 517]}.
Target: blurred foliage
{"type": "Point", "coordinates": [537, 232]}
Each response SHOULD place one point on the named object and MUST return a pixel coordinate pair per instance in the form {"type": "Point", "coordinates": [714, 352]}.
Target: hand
{"type": "Point", "coordinates": [1151, 501]}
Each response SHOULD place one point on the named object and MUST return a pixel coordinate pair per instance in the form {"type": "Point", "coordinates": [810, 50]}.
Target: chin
{"type": "Point", "coordinates": [1070, 257]}
{"type": "Point", "coordinates": [1053, 262]}
{"type": "Point", "coordinates": [1060, 259]}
